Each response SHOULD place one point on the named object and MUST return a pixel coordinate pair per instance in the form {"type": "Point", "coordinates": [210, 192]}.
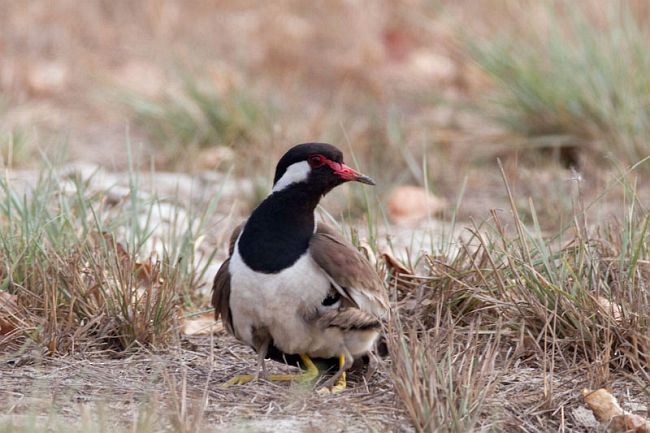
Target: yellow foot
{"type": "Point", "coordinates": [308, 376]}
{"type": "Point", "coordinates": [340, 384]}
{"type": "Point", "coordinates": [338, 387]}
{"type": "Point", "coordinates": [238, 380]}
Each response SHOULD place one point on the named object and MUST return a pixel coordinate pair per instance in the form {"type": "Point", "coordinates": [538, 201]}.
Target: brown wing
{"type": "Point", "coordinates": [350, 273]}
{"type": "Point", "coordinates": [349, 319]}
{"type": "Point", "coordinates": [221, 286]}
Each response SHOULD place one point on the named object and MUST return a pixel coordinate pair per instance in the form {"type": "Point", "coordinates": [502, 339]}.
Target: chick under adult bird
{"type": "Point", "coordinates": [292, 288]}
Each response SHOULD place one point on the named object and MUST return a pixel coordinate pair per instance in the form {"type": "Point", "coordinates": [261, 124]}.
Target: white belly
{"type": "Point", "coordinates": [277, 302]}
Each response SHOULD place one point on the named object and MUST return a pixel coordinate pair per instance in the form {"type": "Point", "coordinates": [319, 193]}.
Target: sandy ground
{"type": "Point", "coordinates": [35, 386]}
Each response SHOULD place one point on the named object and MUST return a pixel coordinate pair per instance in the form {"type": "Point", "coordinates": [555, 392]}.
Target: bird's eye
{"type": "Point", "coordinates": [316, 161]}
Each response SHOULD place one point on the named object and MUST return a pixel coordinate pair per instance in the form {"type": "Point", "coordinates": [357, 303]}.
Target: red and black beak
{"type": "Point", "coordinates": [348, 173]}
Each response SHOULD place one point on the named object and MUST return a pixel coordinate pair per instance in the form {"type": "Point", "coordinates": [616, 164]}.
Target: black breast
{"type": "Point", "coordinates": [278, 232]}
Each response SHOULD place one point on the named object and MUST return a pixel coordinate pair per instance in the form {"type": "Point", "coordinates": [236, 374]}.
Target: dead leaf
{"type": "Point", "coordinates": [203, 324]}
{"type": "Point", "coordinates": [47, 78]}
{"type": "Point", "coordinates": [122, 253]}
{"type": "Point", "coordinates": [395, 265]}
{"type": "Point", "coordinates": [147, 272]}
{"type": "Point", "coordinates": [407, 204]}
{"type": "Point", "coordinates": [141, 77]}
{"type": "Point", "coordinates": [607, 410]}
{"type": "Point", "coordinates": [602, 404]}
{"type": "Point", "coordinates": [432, 66]}
{"type": "Point", "coordinates": [367, 251]}
{"type": "Point", "coordinates": [629, 423]}
{"type": "Point", "coordinates": [611, 308]}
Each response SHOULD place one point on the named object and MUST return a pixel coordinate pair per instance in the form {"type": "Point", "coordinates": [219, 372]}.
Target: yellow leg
{"type": "Point", "coordinates": [341, 383]}
{"type": "Point", "coordinates": [309, 375]}
{"type": "Point", "coordinates": [238, 380]}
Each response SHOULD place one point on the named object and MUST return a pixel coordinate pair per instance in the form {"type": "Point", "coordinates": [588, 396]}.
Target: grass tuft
{"type": "Point", "coordinates": [574, 301]}
{"type": "Point", "coordinates": [444, 374]}
{"type": "Point", "coordinates": [80, 269]}
{"type": "Point", "coordinates": [572, 79]}
{"type": "Point", "coordinates": [198, 116]}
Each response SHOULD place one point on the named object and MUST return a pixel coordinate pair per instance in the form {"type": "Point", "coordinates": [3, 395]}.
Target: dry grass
{"type": "Point", "coordinates": [178, 390]}
{"type": "Point", "coordinates": [568, 308]}
{"type": "Point", "coordinates": [444, 374]}
{"type": "Point", "coordinates": [199, 118]}
{"type": "Point", "coordinates": [498, 331]}
{"type": "Point", "coordinates": [540, 94]}
{"type": "Point", "coordinates": [501, 331]}
{"type": "Point", "coordinates": [75, 284]}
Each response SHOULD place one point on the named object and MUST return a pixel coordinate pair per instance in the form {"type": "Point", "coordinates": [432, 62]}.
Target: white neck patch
{"type": "Point", "coordinates": [295, 173]}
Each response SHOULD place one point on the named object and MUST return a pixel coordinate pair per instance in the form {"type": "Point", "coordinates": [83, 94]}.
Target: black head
{"type": "Point", "coordinates": [317, 164]}
{"type": "Point", "coordinates": [280, 229]}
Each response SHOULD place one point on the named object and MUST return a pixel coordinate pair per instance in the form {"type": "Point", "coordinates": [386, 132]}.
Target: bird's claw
{"type": "Point", "coordinates": [308, 376]}
{"type": "Point", "coordinates": [338, 387]}
{"type": "Point", "coordinates": [238, 380]}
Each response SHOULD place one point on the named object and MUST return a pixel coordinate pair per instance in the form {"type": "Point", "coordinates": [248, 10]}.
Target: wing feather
{"type": "Point", "coordinates": [349, 271]}
{"type": "Point", "coordinates": [221, 286]}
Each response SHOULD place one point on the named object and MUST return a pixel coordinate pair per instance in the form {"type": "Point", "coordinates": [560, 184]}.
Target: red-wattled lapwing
{"type": "Point", "coordinates": [292, 288]}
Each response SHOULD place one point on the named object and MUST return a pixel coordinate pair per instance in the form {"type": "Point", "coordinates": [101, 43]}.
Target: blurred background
{"type": "Point", "coordinates": [135, 134]}
{"type": "Point", "coordinates": [424, 93]}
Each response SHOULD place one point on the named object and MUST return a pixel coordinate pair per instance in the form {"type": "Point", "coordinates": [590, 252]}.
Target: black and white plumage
{"type": "Point", "coordinates": [292, 288]}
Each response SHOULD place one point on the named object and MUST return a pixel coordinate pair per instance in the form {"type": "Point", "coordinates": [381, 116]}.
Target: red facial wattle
{"type": "Point", "coordinates": [348, 173]}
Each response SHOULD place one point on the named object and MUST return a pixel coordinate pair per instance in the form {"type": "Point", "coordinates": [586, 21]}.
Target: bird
{"type": "Point", "coordinates": [292, 288]}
